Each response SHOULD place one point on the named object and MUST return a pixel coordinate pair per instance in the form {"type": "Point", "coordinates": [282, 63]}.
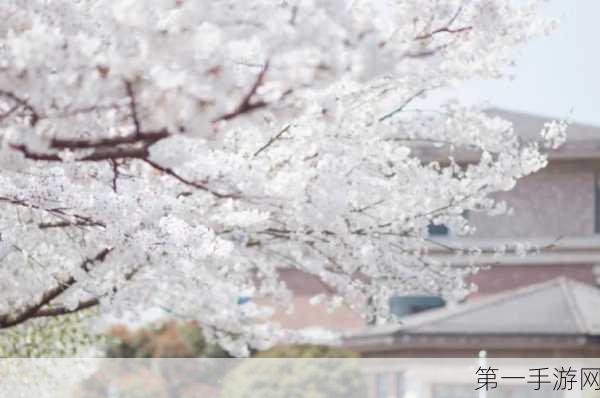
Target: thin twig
{"type": "Point", "coordinates": [133, 107]}
{"type": "Point", "coordinates": [404, 105]}
{"type": "Point", "coordinates": [190, 183]}
{"type": "Point", "coordinates": [247, 104]}
{"type": "Point", "coordinates": [272, 140]}
{"type": "Point", "coordinates": [9, 320]}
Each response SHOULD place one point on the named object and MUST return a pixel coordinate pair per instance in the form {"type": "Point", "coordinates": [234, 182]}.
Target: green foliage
{"type": "Point", "coordinates": [297, 372]}
{"type": "Point", "coordinates": [306, 351]}
{"type": "Point", "coordinates": [64, 336]}
{"type": "Point", "coordinates": [167, 340]}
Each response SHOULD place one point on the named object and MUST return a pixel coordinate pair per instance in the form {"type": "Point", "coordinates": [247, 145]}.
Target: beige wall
{"type": "Point", "coordinates": [558, 201]}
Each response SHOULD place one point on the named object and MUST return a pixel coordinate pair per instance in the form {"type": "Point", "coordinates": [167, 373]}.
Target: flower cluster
{"type": "Point", "coordinates": [177, 154]}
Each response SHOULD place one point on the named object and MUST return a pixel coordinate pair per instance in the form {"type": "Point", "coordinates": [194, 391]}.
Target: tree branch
{"type": "Point", "coordinates": [34, 116]}
{"type": "Point", "coordinates": [56, 212]}
{"type": "Point", "coordinates": [404, 105]}
{"type": "Point", "coordinates": [190, 183]}
{"type": "Point", "coordinates": [9, 320]}
{"type": "Point", "coordinates": [247, 105]}
{"type": "Point", "coordinates": [59, 311]}
{"type": "Point", "coordinates": [272, 140]}
{"type": "Point", "coordinates": [446, 28]}
{"type": "Point", "coordinates": [146, 138]}
{"type": "Point", "coordinates": [82, 305]}
{"type": "Point", "coordinates": [133, 107]}
{"type": "Point", "coordinates": [122, 147]}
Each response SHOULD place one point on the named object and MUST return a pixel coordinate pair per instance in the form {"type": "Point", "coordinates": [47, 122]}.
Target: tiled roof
{"type": "Point", "coordinates": [557, 307]}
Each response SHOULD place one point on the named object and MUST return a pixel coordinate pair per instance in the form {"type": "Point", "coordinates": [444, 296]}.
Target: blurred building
{"type": "Point", "coordinates": [557, 209]}
{"type": "Point", "coordinates": [557, 318]}
{"type": "Point", "coordinates": [540, 306]}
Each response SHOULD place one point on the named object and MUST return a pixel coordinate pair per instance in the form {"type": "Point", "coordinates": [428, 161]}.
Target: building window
{"type": "Point", "coordinates": [389, 385]}
{"type": "Point", "coordinates": [437, 230]}
{"type": "Point", "coordinates": [400, 386]}
{"type": "Point", "coordinates": [382, 385]}
{"type": "Point", "coordinates": [411, 304]}
{"type": "Point", "coordinates": [442, 229]}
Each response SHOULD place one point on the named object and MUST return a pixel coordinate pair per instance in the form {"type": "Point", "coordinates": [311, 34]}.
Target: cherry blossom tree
{"type": "Point", "coordinates": [176, 154]}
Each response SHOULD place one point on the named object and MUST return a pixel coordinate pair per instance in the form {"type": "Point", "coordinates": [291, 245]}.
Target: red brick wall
{"type": "Point", "coordinates": [504, 277]}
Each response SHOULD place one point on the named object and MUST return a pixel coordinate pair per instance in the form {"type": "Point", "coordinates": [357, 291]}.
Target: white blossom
{"type": "Point", "coordinates": [176, 154]}
{"type": "Point", "coordinates": [555, 133]}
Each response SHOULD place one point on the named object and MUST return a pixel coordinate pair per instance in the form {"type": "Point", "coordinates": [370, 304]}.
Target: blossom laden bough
{"type": "Point", "coordinates": [177, 155]}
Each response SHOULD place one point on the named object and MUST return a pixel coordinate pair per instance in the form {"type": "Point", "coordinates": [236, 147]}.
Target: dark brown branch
{"type": "Point", "coordinates": [247, 104]}
{"type": "Point", "coordinates": [9, 112]}
{"type": "Point", "coordinates": [60, 213]}
{"type": "Point", "coordinates": [58, 311]}
{"type": "Point", "coordinates": [112, 148]}
{"type": "Point", "coordinates": [115, 154]}
{"type": "Point", "coordinates": [9, 320]}
{"type": "Point", "coordinates": [98, 155]}
{"type": "Point", "coordinates": [115, 168]}
{"type": "Point", "coordinates": [133, 107]}
{"type": "Point", "coordinates": [190, 183]}
{"type": "Point", "coordinates": [82, 305]}
{"type": "Point", "coordinates": [147, 138]}
{"type": "Point", "coordinates": [447, 28]}
{"type": "Point", "coordinates": [444, 29]}
{"type": "Point", "coordinates": [65, 224]}
{"type": "Point", "coordinates": [46, 157]}
{"type": "Point", "coordinates": [34, 116]}
{"type": "Point", "coordinates": [134, 146]}
{"type": "Point", "coordinates": [117, 148]}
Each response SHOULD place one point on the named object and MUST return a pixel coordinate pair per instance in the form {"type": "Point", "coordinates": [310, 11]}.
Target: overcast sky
{"type": "Point", "coordinates": [557, 73]}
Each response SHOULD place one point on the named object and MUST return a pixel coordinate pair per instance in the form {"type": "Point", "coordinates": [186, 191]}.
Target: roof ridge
{"type": "Point", "coordinates": [443, 313]}
{"type": "Point", "coordinates": [571, 301]}
{"type": "Point", "coordinates": [538, 117]}
{"type": "Point", "coordinates": [574, 300]}
{"type": "Point", "coordinates": [572, 293]}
